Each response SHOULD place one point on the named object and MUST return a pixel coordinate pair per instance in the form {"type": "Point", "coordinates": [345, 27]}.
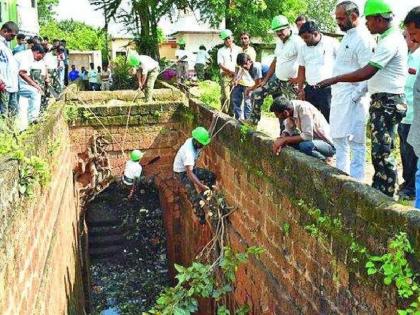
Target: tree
{"type": "Point", "coordinates": [321, 11]}
{"type": "Point", "coordinates": [78, 35]}
{"type": "Point", "coordinates": [252, 16]}
{"type": "Point", "coordinates": [140, 18]}
{"type": "Point", "coordinates": [45, 10]}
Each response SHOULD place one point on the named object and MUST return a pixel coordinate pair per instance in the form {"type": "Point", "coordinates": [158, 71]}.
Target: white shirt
{"type": "Point", "coordinates": [318, 60]}
{"type": "Point", "coordinates": [40, 65]}
{"type": "Point", "coordinates": [181, 53]}
{"type": "Point", "coordinates": [227, 57]}
{"type": "Point", "coordinates": [391, 59]}
{"type": "Point", "coordinates": [26, 62]}
{"type": "Point", "coordinates": [349, 104]}
{"type": "Point", "coordinates": [93, 76]}
{"type": "Point", "coordinates": [51, 61]}
{"type": "Point", "coordinates": [287, 57]}
{"type": "Point", "coordinates": [250, 51]}
{"type": "Point", "coordinates": [147, 63]}
{"type": "Point", "coordinates": [132, 170]}
{"type": "Point", "coordinates": [186, 156]}
{"type": "Point", "coordinates": [202, 56]}
{"type": "Point", "coordinates": [8, 67]}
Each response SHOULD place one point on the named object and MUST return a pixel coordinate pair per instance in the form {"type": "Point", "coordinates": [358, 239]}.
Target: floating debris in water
{"type": "Point", "coordinates": [130, 268]}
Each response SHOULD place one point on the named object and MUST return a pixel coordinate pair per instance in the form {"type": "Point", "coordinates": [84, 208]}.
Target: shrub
{"type": "Point", "coordinates": [122, 75]}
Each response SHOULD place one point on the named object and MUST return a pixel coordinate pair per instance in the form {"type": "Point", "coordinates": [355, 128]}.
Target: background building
{"type": "Point", "coordinates": [23, 12]}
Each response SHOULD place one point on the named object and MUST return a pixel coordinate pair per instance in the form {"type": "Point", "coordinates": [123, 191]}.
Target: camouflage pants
{"type": "Point", "coordinates": [8, 104]}
{"type": "Point", "coordinates": [150, 84]}
{"type": "Point", "coordinates": [199, 70]}
{"type": "Point", "coordinates": [55, 80]}
{"type": "Point", "coordinates": [386, 112]}
{"type": "Point", "coordinates": [225, 98]}
{"type": "Point", "coordinates": [206, 177]}
{"type": "Point", "coordinates": [181, 71]}
{"type": "Point", "coordinates": [37, 76]}
{"type": "Point", "coordinates": [274, 87]}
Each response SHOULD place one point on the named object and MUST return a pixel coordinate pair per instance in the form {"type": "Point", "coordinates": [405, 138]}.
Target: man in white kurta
{"type": "Point", "coordinates": [349, 104]}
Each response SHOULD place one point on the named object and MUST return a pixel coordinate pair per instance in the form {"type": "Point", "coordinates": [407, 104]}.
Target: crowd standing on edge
{"type": "Point", "coordinates": [325, 91]}
{"type": "Point", "coordinates": [36, 70]}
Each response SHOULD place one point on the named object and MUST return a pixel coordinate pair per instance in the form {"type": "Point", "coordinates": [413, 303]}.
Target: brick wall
{"type": "Point", "coordinates": [301, 272]}
{"type": "Point", "coordinates": [39, 251]}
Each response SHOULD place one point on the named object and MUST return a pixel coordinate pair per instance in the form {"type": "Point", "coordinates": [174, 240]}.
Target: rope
{"type": "Point", "coordinates": [103, 126]}
{"type": "Point", "coordinates": [129, 110]}
{"type": "Point", "coordinates": [128, 119]}
{"type": "Point", "coordinates": [217, 115]}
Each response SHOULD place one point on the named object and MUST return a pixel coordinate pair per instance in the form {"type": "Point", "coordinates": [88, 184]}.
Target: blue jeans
{"type": "Point", "coordinates": [237, 98]}
{"type": "Point", "coordinates": [34, 97]}
{"type": "Point", "coordinates": [417, 203]}
{"type": "Point", "coordinates": [316, 148]}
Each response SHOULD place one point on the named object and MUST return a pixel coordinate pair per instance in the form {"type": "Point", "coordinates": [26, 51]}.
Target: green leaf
{"type": "Point", "coordinates": [387, 280]}
{"type": "Point", "coordinates": [369, 264]}
{"type": "Point", "coordinates": [372, 271]}
{"type": "Point", "coordinates": [222, 310]}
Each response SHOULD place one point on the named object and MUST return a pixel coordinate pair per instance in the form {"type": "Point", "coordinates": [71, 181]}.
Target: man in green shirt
{"type": "Point", "coordinates": [386, 72]}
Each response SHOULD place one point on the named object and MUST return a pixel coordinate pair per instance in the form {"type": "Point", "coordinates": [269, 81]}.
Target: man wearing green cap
{"type": "Point", "coordinates": [147, 72]}
{"type": "Point", "coordinates": [132, 172]}
{"type": "Point", "coordinates": [194, 178]}
{"type": "Point", "coordinates": [386, 72]}
{"type": "Point", "coordinates": [284, 67]}
{"type": "Point", "coordinates": [181, 56]}
{"type": "Point", "coordinates": [226, 59]}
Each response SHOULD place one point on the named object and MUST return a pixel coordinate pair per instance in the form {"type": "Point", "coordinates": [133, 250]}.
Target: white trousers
{"type": "Point", "coordinates": [350, 157]}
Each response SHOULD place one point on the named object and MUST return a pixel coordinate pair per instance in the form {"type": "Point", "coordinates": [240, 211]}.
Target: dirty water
{"type": "Point", "coordinates": [127, 248]}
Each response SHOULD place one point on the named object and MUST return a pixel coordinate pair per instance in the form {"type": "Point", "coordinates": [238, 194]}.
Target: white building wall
{"type": "Point", "coordinates": [28, 17]}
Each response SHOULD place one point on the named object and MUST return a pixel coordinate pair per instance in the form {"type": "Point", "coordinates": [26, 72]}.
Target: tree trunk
{"type": "Point", "coordinates": [228, 18]}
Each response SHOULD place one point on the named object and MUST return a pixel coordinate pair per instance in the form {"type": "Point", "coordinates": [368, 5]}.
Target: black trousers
{"type": "Point", "coordinates": [320, 98]}
{"type": "Point", "coordinates": [409, 160]}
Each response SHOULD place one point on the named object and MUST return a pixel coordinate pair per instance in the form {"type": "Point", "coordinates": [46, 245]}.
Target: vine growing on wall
{"type": "Point", "coordinates": [395, 269]}
{"type": "Point", "coordinates": [33, 170]}
{"type": "Point", "coordinates": [393, 265]}
{"type": "Point", "coordinates": [212, 274]}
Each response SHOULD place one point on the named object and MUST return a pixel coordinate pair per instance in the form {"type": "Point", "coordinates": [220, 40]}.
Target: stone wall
{"type": "Point", "coordinates": [40, 268]}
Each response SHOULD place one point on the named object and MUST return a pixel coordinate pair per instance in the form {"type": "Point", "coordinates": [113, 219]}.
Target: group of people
{"type": "Point", "coordinates": [99, 79]}
{"type": "Point", "coordinates": [326, 90]}
{"type": "Point", "coordinates": [184, 58]}
{"type": "Point", "coordinates": [321, 90]}
{"type": "Point", "coordinates": [34, 70]}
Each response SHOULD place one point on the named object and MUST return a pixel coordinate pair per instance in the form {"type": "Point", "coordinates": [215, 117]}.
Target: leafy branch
{"type": "Point", "coordinates": [212, 274]}
{"type": "Point", "coordinates": [396, 269]}
{"type": "Point", "coordinates": [32, 169]}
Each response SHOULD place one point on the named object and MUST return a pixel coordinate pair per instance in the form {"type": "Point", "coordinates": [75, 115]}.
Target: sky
{"type": "Point", "coordinates": [81, 10]}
